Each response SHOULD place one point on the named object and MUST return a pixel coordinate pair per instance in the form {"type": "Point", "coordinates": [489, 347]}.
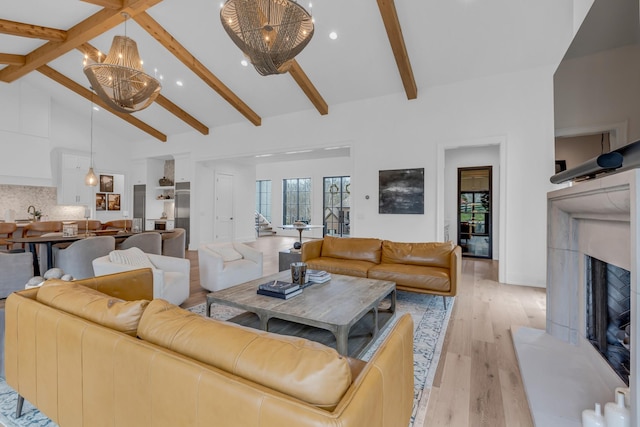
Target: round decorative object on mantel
{"type": "Point", "coordinates": [165, 182]}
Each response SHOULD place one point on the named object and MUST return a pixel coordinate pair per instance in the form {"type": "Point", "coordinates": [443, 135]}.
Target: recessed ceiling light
{"type": "Point", "coordinates": [96, 108]}
{"type": "Point", "coordinates": [179, 83]}
{"type": "Point", "coordinates": [333, 35]}
{"type": "Point", "coordinates": [221, 5]}
{"type": "Point", "coordinates": [298, 152]}
{"type": "Point", "coordinates": [244, 62]}
{"type": "Point", "coordinates": [264, 155]}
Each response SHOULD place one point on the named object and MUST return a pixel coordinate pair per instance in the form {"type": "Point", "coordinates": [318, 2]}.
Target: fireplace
{"type": "Point", "coordinates": [608, 314]}
{"type": "Point", "coordinates": [562, 371]}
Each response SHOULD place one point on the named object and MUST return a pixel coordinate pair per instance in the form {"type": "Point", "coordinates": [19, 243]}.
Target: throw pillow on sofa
{"type": "Point", "coordinates": [227, 252]}
{"type": "Point", "coordinates": [92, 305]}
{"type": "Point", "coordinates": [132, 256]}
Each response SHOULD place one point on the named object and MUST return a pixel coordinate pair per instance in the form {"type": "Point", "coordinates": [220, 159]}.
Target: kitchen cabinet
{"type": "Point", "coordinates": [73, 190]}
{"type": "Point", "coordinates": [183, 168]}
{"type": "Point", "coordinates": [139, 172]}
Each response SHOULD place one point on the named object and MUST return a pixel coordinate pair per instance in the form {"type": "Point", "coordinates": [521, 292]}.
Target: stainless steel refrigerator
{"type": "Point", "coordinates": [182, 208]}
{"type": "Point", "coordinates": [139, 202]}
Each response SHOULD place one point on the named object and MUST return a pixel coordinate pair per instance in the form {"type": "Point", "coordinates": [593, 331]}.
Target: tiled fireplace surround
{"type": "Point", "coordinates": [596, 218]}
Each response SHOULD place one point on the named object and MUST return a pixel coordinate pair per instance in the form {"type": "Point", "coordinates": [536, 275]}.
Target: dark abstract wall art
{"type": "Point", "coordinates": [401, 191]}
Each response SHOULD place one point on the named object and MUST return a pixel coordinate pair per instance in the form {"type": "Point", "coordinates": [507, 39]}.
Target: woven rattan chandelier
{"type": "Point", "coordinates": [269, 32]}
{"type": "Point", "coordinates": [120, 80]}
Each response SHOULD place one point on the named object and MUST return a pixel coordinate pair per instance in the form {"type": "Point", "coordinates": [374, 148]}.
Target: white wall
{"type": "Point", "coordinates": [393, 133]}
{"type": "Point", "coordinates": [600, 89]}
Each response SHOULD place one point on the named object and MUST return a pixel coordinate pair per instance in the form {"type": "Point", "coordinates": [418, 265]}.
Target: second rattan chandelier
{"type": "Point", "coordinates": [269, 32]}
{"type": "Point", "coordinates": [120, 80]}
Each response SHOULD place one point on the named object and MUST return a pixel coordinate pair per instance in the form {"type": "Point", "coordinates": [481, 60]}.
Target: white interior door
{"type": "Point", "coordinates": [224, 225]}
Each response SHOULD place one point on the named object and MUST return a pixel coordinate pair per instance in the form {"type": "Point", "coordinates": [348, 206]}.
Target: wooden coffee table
{"type": "Point", "coordinates": [335, 306]}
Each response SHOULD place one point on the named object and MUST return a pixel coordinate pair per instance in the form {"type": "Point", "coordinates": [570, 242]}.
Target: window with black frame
{"type": "Point", "coordinates": [474, 211]}
{"type": "Point", "coordinates": [263, 198]}
{"type": "Point", "coordinates": [296, 200]}
{"type": "Point", "coordinates": [337, 205]}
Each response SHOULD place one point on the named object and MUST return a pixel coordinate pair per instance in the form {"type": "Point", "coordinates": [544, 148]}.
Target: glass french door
{"type": "Point", "coordinates": [337, 210]}
{"type": "Point", "coordinates": [474, 211]}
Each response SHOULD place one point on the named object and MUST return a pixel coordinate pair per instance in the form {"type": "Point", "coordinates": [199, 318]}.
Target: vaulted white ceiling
{"type": "Point", "coordinates": [446, 41]}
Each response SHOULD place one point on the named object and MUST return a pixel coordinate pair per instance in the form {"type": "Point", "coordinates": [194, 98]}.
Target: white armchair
{"type": "Point", "coordinates": [171, 276]}
{"type": "Point", "coordinates": [223, 265]}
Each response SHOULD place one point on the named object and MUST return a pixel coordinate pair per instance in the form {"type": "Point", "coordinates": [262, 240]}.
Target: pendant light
{"type": "Point", "coordinates": [91, 179]}
{"type": "Point", "coordinates": [119, 80]}
{"type": "Point", "coordinates": [269, 32]}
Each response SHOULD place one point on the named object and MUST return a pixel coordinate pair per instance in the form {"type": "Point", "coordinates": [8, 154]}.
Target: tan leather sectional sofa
{"type": "Point", "coordinates": [433, 267]}
{"type": "Point", "coordinates": [98, 352]}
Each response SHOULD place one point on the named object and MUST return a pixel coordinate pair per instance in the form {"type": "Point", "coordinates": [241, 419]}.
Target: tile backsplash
{"type": "Point", "coordinates": [19, 197]}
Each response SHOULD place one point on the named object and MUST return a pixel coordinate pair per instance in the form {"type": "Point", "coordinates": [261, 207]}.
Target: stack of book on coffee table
{"type": "Point", "coordinates": [279, 289]}
{"type": "Point", "coordinates": [318, 276]}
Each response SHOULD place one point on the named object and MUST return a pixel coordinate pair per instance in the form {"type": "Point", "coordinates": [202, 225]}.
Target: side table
{"type": "Point", "coordinates": [285, 258]}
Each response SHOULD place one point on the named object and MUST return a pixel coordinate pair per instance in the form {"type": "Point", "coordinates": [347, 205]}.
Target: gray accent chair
{"type": "Point", "coordinates": [76, 259]}
{"type": "Point", "coordinates": [173, 244]}
{"type": "Point", "coordinates": [150, 243]}
{"type": "Point", "coordinates": [17, 269]}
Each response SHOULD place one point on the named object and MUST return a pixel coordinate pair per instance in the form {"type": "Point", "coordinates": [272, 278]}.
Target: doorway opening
{"type": "Point", "coordinates": [337, 205]}
{"type": "Point", "coordinates": [474, 211]}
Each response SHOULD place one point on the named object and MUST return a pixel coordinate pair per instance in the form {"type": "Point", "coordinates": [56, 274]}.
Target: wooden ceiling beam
{"type": "Point", "coordinates": [11, 59]}
{"type": "Point", "coordinates": [172, 45]}
{"type": "Point", "coordinates": [89, 95]}
{"type": "Point", "coordinates": [394, 32]}
{"type": "Point", "coordinates": [82, 32]}
{"type": "Point", "coordinates": [107, 4]}
{"type": "Point", "coordinates": [91, 52]}
{"type": "Point", "coordinates": [19, 29]}
{"type": "Point", "coordinates": [307, 87]}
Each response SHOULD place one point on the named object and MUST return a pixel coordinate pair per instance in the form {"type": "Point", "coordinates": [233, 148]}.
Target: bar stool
{"type": "Point", "coordinates": [88, 226]}
{"type": "Point", "coordinates": [6, 232]}
{"type": "Point", "coordinates": [39, 228]}
{"type": "Point", "coordinates": [118, 224]}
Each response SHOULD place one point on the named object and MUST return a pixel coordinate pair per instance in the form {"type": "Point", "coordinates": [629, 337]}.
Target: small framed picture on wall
{"type": "Point", "coordinates": [113, 202]}
{"type": "Point", "coordinates": [101, 202]}
{"type": "Point", "coordinates": [106, 183]}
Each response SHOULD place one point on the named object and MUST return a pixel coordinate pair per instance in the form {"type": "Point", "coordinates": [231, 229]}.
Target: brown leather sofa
{"type": "Point", "coordinates": [432, 267]}
{"type": "Point", "coordinates": [97, 352]}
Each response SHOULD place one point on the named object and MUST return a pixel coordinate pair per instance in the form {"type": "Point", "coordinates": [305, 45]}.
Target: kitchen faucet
{"type": "Point", "coordinates": [32, 213]}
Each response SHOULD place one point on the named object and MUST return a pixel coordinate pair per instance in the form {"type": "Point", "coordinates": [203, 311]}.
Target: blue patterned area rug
{"type": "Point", "coordinates": [430, 321]}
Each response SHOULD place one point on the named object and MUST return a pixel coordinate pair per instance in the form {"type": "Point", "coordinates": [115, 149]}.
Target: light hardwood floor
{"type": "Point", "coordinates": [478, 382]}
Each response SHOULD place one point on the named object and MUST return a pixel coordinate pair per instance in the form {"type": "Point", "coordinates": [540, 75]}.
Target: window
{"type": "Point", "coordinates": [296, 200]}
{"type": "Point", "coordinates": [263, 198]}
{"type": "Point", "coordinates": [337, 198]}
